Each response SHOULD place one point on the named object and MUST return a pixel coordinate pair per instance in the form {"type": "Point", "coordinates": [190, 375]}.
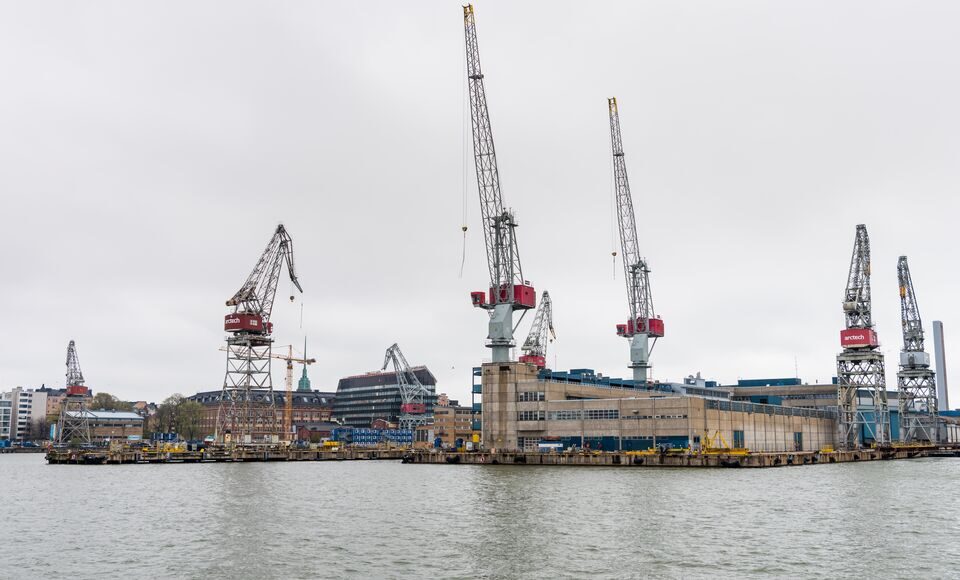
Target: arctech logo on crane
{"type": "Point", "coordinates": [858, 338]}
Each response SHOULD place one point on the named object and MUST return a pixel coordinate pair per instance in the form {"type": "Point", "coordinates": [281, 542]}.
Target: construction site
{"type": "Point", "coordinates": [525, 413]}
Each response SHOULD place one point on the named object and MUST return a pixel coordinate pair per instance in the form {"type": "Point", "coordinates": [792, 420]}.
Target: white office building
{"type": "Point", "coordinates": [6, 408]}
{"type": "Point", "coordinates": [27, 409]}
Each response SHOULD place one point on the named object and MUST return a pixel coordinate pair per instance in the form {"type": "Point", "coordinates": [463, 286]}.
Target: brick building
{"type": "Point", "coordinates": [309, 407]}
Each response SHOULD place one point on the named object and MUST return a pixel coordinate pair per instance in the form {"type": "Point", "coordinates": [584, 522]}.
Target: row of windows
{"type": "Point", "coordinates": [655, 417]}
{"type": "Point", "coordinates": [767, 409]}
{"type": "Point", "coordinates": [583, 414]}
{"type": "Point", "coordinates": [531, 396]}
{"type": "Point", "coordinates": [530, 415]}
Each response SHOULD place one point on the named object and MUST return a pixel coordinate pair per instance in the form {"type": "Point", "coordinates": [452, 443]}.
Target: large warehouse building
{"type": "Point", "coordinates": [523, 408]}
{"type": "Point", "coordinates": [526, 409]}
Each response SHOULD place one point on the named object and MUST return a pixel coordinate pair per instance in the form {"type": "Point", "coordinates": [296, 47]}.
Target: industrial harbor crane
{"type": "Point", "coordinates": [73, 424]}
{"type": "Point", "coordinates": [916, 381]}
{"type": "Point", "coordinates": [509, 291]}
{"type": "Point", "coordinates": [643, 322]}
{"type": "Point", "coordinates": [412, 406]}
{"type": "Point", "coordinates": [247, 411]}
{"type": "Point", "coordinates": [535, 347]}
{"type": "Point", "coordinates": [860, 369]}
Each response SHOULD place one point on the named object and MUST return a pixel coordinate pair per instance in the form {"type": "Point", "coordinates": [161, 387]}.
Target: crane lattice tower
{"type": "Point", "coordinates": [73, 425]}
{"type": "Point", "coordinates": [860, 369]}
{"type": "Point", "coordinates": [247, 412]}
{"type": "Point", "coordinates": [916, 381]}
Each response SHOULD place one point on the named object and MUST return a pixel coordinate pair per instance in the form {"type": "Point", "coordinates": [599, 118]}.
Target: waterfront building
{"type": "Point", "coordinates": [6, 406]}
{"type": "Point", "coordinates": [316, 432]}
{"type": "Point", "coordinates": [109, 425]}
{"type": "Point", "coordinates": [363, 399]}
{"type": "Point", "coordinates": [452, 422]}
{"type": "Point", "coordinates": [55, 399]}
{"type": "Point", "coordinates": [28, 414]}
{"type": "Point", "coordinates": [309, 407]}
{"type": "Point", "coordinates": [527, 409]}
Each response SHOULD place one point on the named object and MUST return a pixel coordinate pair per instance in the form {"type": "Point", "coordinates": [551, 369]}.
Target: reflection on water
{"type": "Point", "coordinates": [384, 519]}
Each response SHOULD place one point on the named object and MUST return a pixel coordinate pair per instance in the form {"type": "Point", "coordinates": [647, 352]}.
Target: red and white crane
{"type": "Point", "coordinates": [412, 392]}
{"type": "Point", "coordinates": [509, 291]}
{"type": "Point", "coordinates": [247, 412]}
{"type": "Point", "coordinates": [535, 347]}
{"type": "Point", "coordinates": [642, 323]}
{"type": "Point", "coordinates": [73, 424]}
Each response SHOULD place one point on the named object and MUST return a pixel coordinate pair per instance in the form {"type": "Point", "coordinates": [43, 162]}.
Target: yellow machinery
{"type": "Point", "coordinates": [717, 445]}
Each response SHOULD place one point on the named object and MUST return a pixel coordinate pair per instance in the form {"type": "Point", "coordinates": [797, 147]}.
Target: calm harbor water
{"type": "Point", "coordinates": [387, 520]}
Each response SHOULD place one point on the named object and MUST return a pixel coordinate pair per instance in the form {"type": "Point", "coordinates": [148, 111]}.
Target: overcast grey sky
{"type": "Point", "coordinates": [149, 150]}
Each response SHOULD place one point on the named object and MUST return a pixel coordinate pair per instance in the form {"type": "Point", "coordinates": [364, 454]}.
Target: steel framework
{"type": "Point", "coordinates": [247, 412]}
{"type": "Point", "coordinates": [412, 391]}
{"type": "Point", "coordinates": [73, 424]}
{"type": "Point", "coordinates": [535, 347]}
{"type": "Point", "coordinates": [643, 322]}
{"type": "Point", "coordinates": [916, 381]}
{"type": "Point", "coordinates": [499, 225]}
{"type": "Point", "coordinates": [860, 366]}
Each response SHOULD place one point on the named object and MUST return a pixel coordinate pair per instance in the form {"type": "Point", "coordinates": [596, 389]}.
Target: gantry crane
{"type": "Point", "coordinates": [247, 412]}
{"type": "Point", "coordinates": [535, 347]}
{"type": "Point", "coordinates": [73, 425]}
{"type": "Point", "coordinates": [916, 381]}
{"type": "Point", "coordinates": [509, 291]}
{"type": "Point", "coordinates": [288, 383]}
{"type": "Point", "coordinates": [412, 392]}
{"type": "Point", "coordinates": [860, 369]}
{"type": "Point", "coordinates": [643, 322]}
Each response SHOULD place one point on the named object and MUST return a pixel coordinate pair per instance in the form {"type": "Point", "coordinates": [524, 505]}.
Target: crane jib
{"type": "Point", "coordinates": [642, 318]}
{"type": "Point", "coordinates": [507, 284]}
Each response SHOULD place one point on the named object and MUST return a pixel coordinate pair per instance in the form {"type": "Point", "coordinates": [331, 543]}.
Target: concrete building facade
{"type": "Point", "coordinates": [451, 422]}
{"type": "Point", "coordinates": [28, 414]}
{"type": "Point", "coordinates": [521, 411]}
{"type": "Point", "coordinates": [6, 408]}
